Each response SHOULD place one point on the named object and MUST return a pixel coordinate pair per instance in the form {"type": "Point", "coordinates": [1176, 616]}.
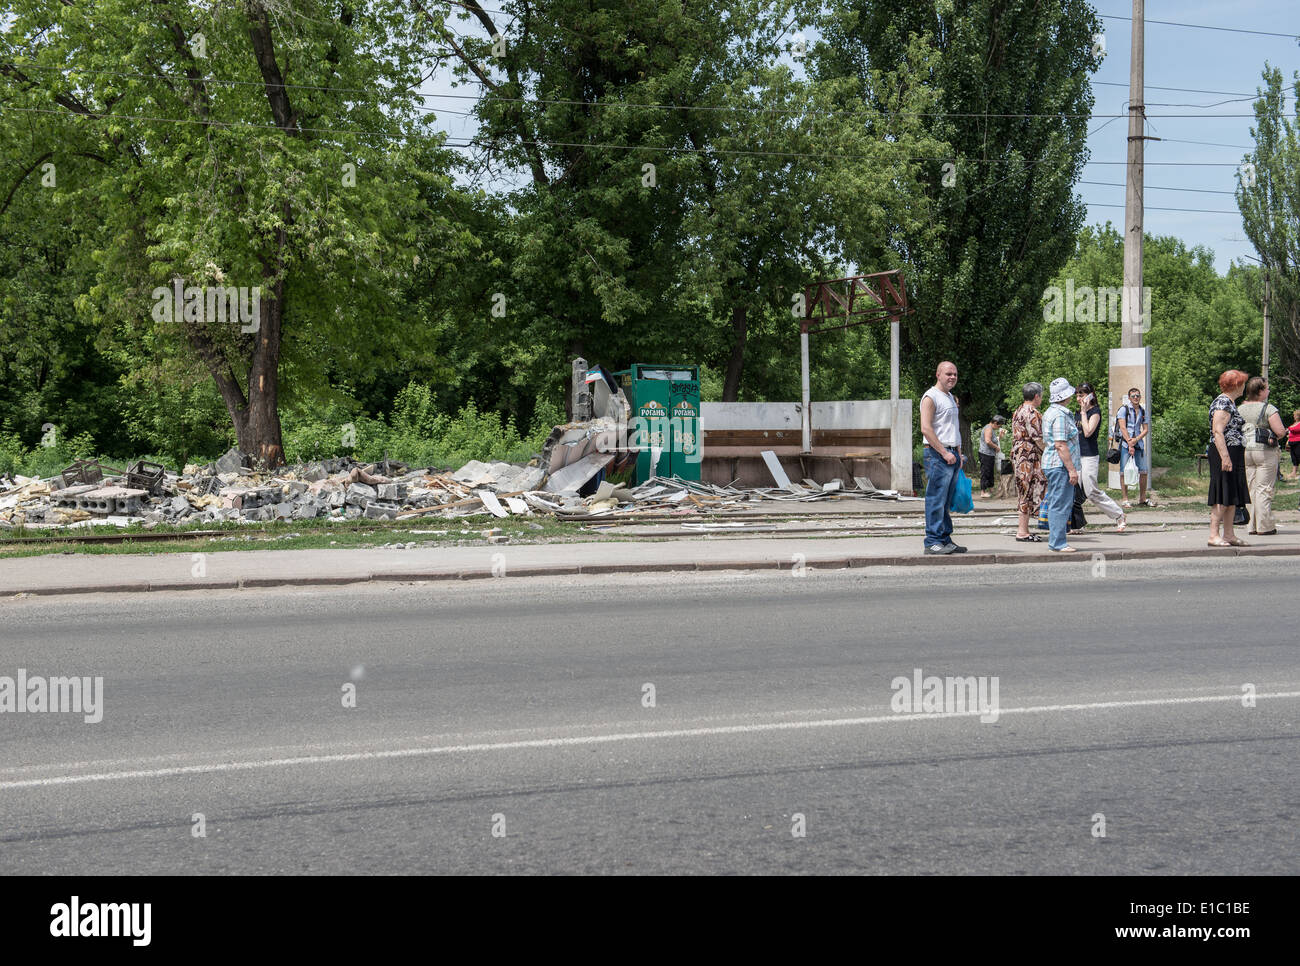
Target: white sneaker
{"type": "Point", "coordinates": [1122, 525]}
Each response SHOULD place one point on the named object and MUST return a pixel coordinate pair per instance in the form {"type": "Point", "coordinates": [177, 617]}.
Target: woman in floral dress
{"type": "Point", "coordinates": [1026, 454]}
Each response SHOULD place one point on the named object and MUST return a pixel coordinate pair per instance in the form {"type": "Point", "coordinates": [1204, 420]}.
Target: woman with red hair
{"type": "Point", "coordinates": [1227, 456]}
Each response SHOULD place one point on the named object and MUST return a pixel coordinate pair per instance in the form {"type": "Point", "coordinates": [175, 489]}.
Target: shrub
{"type": "Point", "coordinates": [1181, 431]}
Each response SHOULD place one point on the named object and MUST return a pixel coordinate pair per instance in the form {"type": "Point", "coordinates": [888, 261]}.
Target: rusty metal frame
{"type": "Point", "coordinates": [878, 297]}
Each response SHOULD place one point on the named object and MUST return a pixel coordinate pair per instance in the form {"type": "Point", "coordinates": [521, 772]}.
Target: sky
{"type": "Point", "coordinates": [1217, 73]}
{"type": "Point", "coordinates": [1202, 60]}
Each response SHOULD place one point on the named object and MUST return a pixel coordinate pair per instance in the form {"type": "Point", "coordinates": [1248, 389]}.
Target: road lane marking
{"type": "Point", "coordinates": [579, 740]}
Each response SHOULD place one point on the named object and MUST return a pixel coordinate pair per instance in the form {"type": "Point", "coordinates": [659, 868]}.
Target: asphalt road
{"type": "Point", "coordinates": [520, 707]}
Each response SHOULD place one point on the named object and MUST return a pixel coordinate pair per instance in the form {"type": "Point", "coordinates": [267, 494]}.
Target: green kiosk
{"type": "Point", "coordinates": [665, 403]}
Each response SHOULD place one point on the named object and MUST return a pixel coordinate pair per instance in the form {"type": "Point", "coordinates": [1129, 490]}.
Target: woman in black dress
{"type": "Point", "coordinates": [1227, 458]}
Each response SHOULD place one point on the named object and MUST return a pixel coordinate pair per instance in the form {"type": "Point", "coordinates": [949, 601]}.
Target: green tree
{"type": "Point", "coordinates": [1012, 103]}
{"type": "Point", "coordinates": [1201, 324]}
{"type": "Point", "coordinates": [261, 146]}
{"type": "Point", "coordinates": [1268, 194]}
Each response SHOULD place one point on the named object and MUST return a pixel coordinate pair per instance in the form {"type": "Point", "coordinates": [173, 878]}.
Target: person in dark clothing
{"type": "Point", "coordinates": [990, 454]}
{"type": "Point", "coordinates": [1089, 419]}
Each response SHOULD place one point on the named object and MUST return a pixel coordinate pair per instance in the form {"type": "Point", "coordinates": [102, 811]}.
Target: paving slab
{"type": "Point", "coordinates": [89, 573]}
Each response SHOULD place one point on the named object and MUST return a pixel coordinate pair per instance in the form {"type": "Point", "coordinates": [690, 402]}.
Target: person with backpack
{"type": "Point", "coordinates": [1132, 425]}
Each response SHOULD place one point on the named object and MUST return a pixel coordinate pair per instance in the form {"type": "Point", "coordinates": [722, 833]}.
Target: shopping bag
{"type": "Point", "coordinates": [1042, 516]}
{"type": "Point", "coordinates": [1077, 520]}
{"type": "Point", "coordinates": [962, 501]}
{"type": "Point", "coordinates": [1131, 472]}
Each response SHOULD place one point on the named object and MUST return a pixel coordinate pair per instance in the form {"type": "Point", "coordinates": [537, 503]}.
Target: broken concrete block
{"type": "Point", "coordinates": [67, 497]}
{"type": "Point", "coordinates": [296, 487]}
{"type": "Point", "coordinates": [111, 499]}
{"type": "Point", "coordinates": [472, 473]}
{"type": "Point", "coordinates": [313, 472]}
{"type": "Point", "coordinates": [381, 511]}
{"type": "Point", "coordinates": [283, 511]}
{"type": "Point", "coordinates": [359, 494]}
{"type": "Point", "coordinates": [232, 461]}
{"type": "Point", "coordinates": [528, 478]}
{"type": "Point", "coordinates": [394, 492]}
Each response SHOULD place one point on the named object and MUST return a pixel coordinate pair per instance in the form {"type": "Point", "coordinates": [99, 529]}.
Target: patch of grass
{"type": "Point", "coordinates": [1180, 482]}
{"type": "Point", "coordinates": [312, 534]}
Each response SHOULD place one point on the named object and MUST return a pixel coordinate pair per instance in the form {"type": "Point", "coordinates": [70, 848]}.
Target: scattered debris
{"type": "Point", "coordinates": [231, 489]}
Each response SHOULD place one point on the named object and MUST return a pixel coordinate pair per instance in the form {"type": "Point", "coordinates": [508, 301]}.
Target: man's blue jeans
{"type": "Point", "coordinates": [941, 481]}
{"type": "Point", "coordinates": [1060, 504]}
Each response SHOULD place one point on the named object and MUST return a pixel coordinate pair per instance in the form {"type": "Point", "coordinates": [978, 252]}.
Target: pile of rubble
{"type": "Point", "coordinates": [231, 489]}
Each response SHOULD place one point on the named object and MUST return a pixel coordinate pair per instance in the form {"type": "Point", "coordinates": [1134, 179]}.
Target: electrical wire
{"type": "Point", "coordinates": [618, 104]}
{"type": "Point", "coordinates": [1203, 211]}
{"type": "Point", "coordinates": [1201, 26]}
{"type": "Point", "coordinates": [1153, 187]}
{"type": "Point", "coordinates": [232, 125]}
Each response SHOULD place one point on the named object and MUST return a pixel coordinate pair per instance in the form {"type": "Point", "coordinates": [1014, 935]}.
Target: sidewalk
{"type": "Point", "coordinates": [85, 573]}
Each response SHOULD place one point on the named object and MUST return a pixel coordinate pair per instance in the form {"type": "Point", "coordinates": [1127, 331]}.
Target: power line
{"type": "Point", "coordinates": [1180, 90]}
{"type": "Point", "coordinates": [615, 104]}
{"type": "Point", "coordinates": [231, 125]}
{"type": "Point", "coordinates": [1203, 211]}
{"type": "Point", "coordinates": [1201, 26]}
{"type": "Point", "coordinates": [1211, 144]}
{"type": "Point", "coordinates": [1152, 187]}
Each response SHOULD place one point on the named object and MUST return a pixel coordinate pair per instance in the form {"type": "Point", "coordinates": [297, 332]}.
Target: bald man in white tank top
{"type": "Point", "coordinates": [942, 455]}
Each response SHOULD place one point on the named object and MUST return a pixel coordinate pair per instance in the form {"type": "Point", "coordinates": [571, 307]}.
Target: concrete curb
{"type": "Point", "coordinates": [562, 570]}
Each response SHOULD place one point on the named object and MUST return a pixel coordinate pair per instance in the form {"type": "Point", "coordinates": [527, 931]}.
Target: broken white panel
{"type": "Point", "coordinates": [831, 486]}
{"type": "Point", "coordinates": [655, 453]}
{"type": "Point", "coordinates": [489, 500]}
{"type": "Point", "coordinates": [774, 467]}
{"type": "Point", "coordinates": [572, 477]}
{"type": "Point", "coordinates": [517, 506]}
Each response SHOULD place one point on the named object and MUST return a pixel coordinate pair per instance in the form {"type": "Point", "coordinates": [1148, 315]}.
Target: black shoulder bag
{"type": "Point", "coordinates": [1263, 434]}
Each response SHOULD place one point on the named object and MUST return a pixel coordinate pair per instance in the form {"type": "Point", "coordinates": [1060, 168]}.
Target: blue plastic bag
{"type": "Point", "coordinates": [962, 500]}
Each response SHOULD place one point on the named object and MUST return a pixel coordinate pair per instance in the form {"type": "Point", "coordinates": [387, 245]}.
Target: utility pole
{"type": "Point", "coordinates": [1131, 324]}
{"type": "Point", "coordinates": [1130, 364]}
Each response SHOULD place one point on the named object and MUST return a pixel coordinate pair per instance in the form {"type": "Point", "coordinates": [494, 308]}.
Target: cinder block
{"type": "Point", "coordinates": [394, 492]}
{"type": "Point", "coordinates": [359, 494]}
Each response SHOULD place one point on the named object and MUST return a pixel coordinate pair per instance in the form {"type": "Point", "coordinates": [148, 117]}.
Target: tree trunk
{"type": "Point", "coordinates": [259, 434]}
{"type": "Point", "coordinates": [740, 328]}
